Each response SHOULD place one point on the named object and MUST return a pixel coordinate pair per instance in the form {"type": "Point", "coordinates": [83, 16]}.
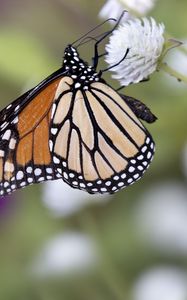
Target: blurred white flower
{"type": "Point", "coordinates": [161, 283]}
{"type": "Point", "coordinates": [66, 254]}
{"type": "Point", "coordinates": [113, 8]}
{"type": "Point", "coordinates": [62, 200]}
{"type": "Point", "coordinates": [177, 60]}
{"type": "Point", "coordinates": [161, 218]}
{"type": "Point", "coordinates": [144, 39]}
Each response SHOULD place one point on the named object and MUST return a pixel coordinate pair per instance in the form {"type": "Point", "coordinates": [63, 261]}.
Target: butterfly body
{"type": "Point", "coordinates": [72, 126]}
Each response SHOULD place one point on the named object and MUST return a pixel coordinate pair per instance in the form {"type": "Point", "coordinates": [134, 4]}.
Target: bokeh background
{"type": "Point", "coordinates": [56, 243]}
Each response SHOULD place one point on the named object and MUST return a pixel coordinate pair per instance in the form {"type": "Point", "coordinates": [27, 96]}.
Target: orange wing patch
{"type": "Point", "coordinates": [24, 150]}
{"type": "Point", "coordinates": [24, 146]}
{"type": "Point", "coordinates": [37, 109]}
{"type": "Point", "coordinates": [33, 128]}
{"type": "Point", "coordinates": [41, 143]}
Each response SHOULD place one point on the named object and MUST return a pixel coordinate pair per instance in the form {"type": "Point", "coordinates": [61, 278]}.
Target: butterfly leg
{"type": "Point", "coordinates": [140, 109]}
{"type": "Point", "coordinates": [96, 55]}
{"type": "Point", "coordinates": [99, 56]}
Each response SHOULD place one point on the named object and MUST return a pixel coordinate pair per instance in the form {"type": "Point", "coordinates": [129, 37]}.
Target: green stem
{"type": "Point", "coordinates": [180, 77]}
{"type": "Point", "coordinates": [109, 272]}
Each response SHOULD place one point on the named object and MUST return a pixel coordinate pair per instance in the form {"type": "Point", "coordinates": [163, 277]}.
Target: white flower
{"type": "Point", "coordinates": [113, 8]}
{"type": "Point", "coordinates": [144, 39]}
{"type": "Point", "coordinates": [161, 218]}
{"type": "Point", "coordinates": [62, 200]}
{"type": "Point", "coordinates": [65, 254]}
{"type": "Point", "coordinates": [161, 283]}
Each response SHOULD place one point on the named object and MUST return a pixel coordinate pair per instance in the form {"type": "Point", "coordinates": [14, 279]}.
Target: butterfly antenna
{"type": "Point", "coordinates": [118, 63]}
{"type": "Point", "coordinates": [96, 56]}
{"type": "Point", "coordinates": [86, 40]}
{"type": "Point", "coordinates": [95, 28]}
{"type": "Point", "coordinates": [90, 38]}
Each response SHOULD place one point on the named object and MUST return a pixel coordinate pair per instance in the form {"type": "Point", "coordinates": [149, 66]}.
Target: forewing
{"type": "Point", "coordinates": [25, 157]}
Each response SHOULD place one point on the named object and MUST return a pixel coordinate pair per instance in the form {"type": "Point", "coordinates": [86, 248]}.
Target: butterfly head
{"type": "Point", "coordinates": [71, 53]}
{"type": "Point", "coordinates": [78, 69]}
{"type": "Point", "coordinates": [72, 60]}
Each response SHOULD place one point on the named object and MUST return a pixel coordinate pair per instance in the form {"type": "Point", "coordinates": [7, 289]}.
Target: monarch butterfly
{"type": "Point", "coordinates": [74, 126]}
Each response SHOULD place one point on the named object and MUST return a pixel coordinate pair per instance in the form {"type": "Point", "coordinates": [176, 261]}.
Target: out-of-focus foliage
{"type": "Point", "coordinates": [33, 35]}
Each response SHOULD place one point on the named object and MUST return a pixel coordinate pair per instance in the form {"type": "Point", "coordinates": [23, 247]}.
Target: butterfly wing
{"type": "Point", "coordinates": [90, 138]}
{"type": "Point", "coordinates": [98, 144]}
{"type": "Point", "coordinates": [25, 156]}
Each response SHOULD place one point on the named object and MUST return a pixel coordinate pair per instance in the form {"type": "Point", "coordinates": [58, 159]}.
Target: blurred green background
{"type": "Point", "coordinates": [33, 35]}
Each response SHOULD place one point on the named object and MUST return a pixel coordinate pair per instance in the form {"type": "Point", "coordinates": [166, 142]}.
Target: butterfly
{"type": "Point", "coordinates": [74, 126]}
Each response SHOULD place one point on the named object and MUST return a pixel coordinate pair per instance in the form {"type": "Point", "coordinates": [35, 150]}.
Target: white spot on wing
{"type": "Point", "coordinates": [75, 183]}
{"type": "Point", "coordinates": [140, 168]}
{"type": "Point", "coordinates": [41, 179]}
{"type": "Point", "coordinates": [77, 85]}
{"type": "Point", "coordinates": [9, 167]}
{"type": "Point", "coordinates": [29, 169]}
{"type": "Point", "coordinates": [123, 176]}
{"type": "Point", "coordinates": [56, 160]}
{"type": "Point", "coordinates": [49, 170]}
{"type": "Point", "coordinates": [65, 175]}
{"type": "Point", "coordinates": [130, 180]}
{"type": "Point", "coordinates": [50, 145]}
{"type": "Point", "coordinates": [3, 126]}
{"type": "Point", "coordinates": [54, 130]}
{"type": "Point", "coordinates": [19, 175]}
{"type": "Point", "coordinates": [9, 106]}
{"type": "Point", "coordinates": [144, 149]}
{"type": "Point", "coordinates": [17, 107]}
{"type": "Point", "coordinates": [15, 121]}
{"type": "Point", "coordinates": [37, 171]}
{"type": "Point", "coordinates": [12, 143]}
{"type": "Point", "coordinates": [71, 175]}
{"type": "Point", "coordinates": [2, 153]}
{"type": "Point", "coordinates": [6, 135]}
{"type": "Point", "coordinates": [136, 176]}
{"type": "Point", "coordinates": [108, 183]}
{"type": "Point", "coordinates": [131, 169]}
{"type": "Point", "coordinates": [140, 157]}
{"type": "Point", "coordinates": [53, 110]}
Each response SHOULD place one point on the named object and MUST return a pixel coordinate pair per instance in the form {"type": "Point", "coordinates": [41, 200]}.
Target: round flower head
{"type": "Point", "coordinates": [113, 8]}
{"type": "Point", "coordinates": [145, 41]}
